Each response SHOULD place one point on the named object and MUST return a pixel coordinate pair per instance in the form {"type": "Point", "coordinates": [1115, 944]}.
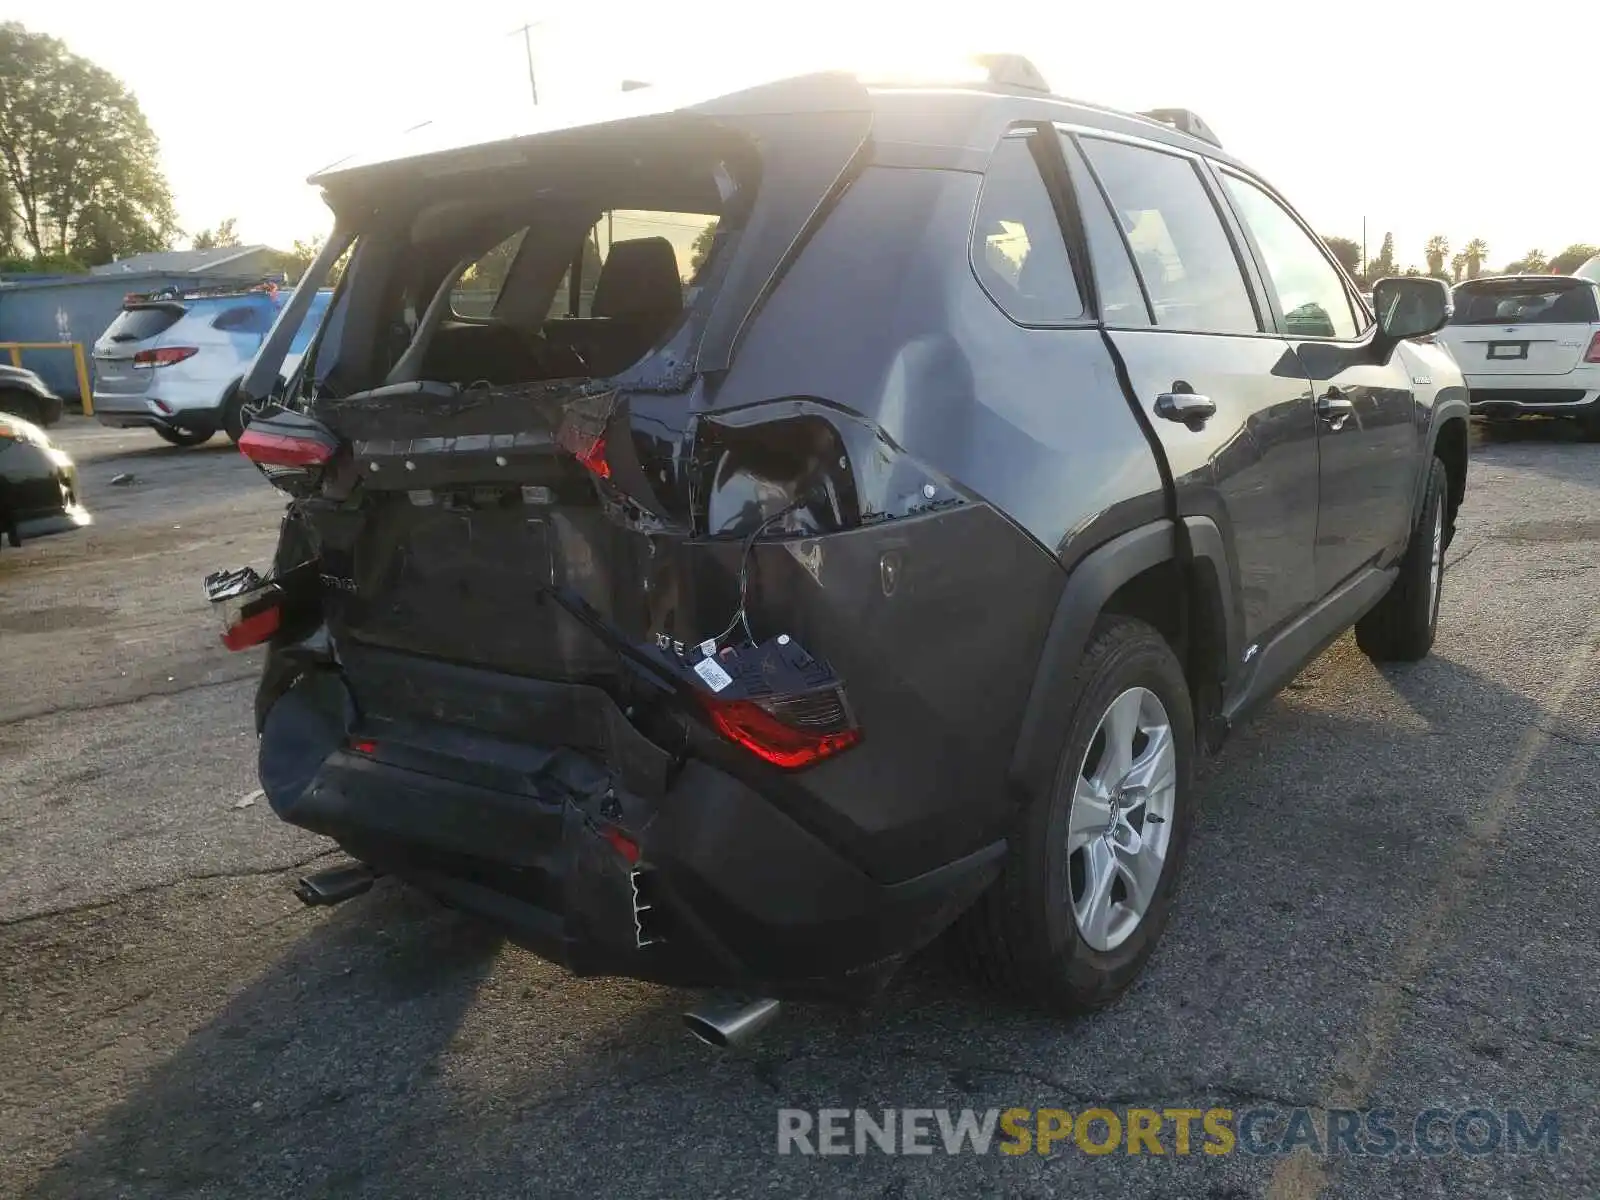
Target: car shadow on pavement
{"type": "Point", "coordinates": [396, 1050]}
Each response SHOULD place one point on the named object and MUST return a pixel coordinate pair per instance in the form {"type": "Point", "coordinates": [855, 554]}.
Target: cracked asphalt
{"type": "Point", "coordinates": [1390, 902]}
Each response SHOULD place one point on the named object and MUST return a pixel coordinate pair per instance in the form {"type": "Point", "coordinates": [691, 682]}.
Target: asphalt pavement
{"type": "Point", "coordinates": [1389, 904]}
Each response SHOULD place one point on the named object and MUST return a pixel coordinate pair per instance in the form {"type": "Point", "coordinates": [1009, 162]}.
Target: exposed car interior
{"type": "Point", "coordinates": [546, 287]}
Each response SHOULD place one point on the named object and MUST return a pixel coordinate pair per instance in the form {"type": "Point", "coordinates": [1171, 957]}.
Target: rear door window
{"type": "Point", "coordinates": [1018, 251]}
{"type": "Point", "coordinates": [691, 236]}
{"type": "Point", "coordinates": [1311, 292]}
{"type": "Point", "coordinates": [477, 290]}
{"type": "Point", "coordinates": [1525, 302]}
{"type": "Point", "coordinates": [140, 324]}
{"type": "Point", "coordinates": [1122, 304]}
{"type": "Point", "coordinates": [1182, 251]}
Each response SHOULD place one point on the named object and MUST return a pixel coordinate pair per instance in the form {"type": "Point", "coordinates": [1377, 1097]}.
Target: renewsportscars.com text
{"type": "Point", "coordinates": [1264, 1131]}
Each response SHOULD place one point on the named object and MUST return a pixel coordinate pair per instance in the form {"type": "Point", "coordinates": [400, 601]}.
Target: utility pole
{"type": "Point", "coordinates": [1363, 247]}
{"type": "Point", "coordinates": [527, 44]}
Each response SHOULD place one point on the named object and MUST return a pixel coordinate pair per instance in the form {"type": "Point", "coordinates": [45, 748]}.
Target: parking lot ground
{"type": "Point", "coordinates": [1389, 903]}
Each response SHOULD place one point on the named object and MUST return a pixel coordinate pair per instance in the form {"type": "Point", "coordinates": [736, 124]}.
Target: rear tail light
{"type": "Point", "coordinates": [268, 449]}
{"type": "Point", "coordinates": [788, 731]}
{"type": "Point", "coordinates": [165, 356]}
{"type": "Point", "coordinates": [1593, 355]}
{"type": "Point", "coordinates": [594, 459]}
{"type": "Point", "coordinates": [290, 449]}
{"type": "Point", "coordinates": [777, 702]}
{"type": "Point", "coordinates": [251, 607]}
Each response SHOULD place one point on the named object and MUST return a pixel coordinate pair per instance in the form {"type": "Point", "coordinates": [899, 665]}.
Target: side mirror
{"type": "Point", "coordinates": [1411, 306]}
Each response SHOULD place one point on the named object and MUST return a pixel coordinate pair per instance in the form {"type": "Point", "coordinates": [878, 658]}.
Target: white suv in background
{"type": "Point", "coordinates": [1529, 345]}
{"type": "Point", "coordinates": [1590, 270]}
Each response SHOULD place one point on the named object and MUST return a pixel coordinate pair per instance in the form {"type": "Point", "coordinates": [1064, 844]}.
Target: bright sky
{"type": "Point", "coordinates": [1419, 117]}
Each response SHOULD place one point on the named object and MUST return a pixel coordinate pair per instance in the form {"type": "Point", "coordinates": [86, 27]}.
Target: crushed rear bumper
{"type": "Point", "coordinates": [599, 851]}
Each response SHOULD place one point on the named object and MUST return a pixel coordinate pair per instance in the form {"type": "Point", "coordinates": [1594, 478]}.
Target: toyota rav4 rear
{"type": "Point", "coordinates": [729, 537]}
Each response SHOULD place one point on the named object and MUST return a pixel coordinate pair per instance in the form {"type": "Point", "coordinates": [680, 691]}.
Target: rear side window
{"type": "Point", "coordinates": [246, 318]}
{"type": "Point", "coordinates": [1018, 252]}
{"type": "Point", "coordinates": [477, 291]}
{"type": "Point", "coordinates": [1179, 244]}
{"type": "Point", "coordinates": [1524, 302]}
{"type": "Point", "coordinates": [1311, 291]}
{"type": "Point", "coordinates": [138, 324]}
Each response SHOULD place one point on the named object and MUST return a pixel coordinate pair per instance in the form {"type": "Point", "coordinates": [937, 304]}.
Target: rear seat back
{"type": "Point", "coordinates": [637, 300]}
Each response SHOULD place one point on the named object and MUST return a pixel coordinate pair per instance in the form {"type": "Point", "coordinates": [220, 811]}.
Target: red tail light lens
{"type": "Point", "coordinates": [1593, 356]}
{"type": "Point", "coordinates": [269, 449]}
{"type": "Point", "coordinates": [164, 357]}
{"type": "Point", "coordinates": [252, 630]}
{"type": "Point", "coordinates": [595, 459]}
{"type": "Point", "coordinates": [788, 731]}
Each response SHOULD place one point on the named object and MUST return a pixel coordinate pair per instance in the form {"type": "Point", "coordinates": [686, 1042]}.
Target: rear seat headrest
{"type": "Point", "coordinates": [640, 276]}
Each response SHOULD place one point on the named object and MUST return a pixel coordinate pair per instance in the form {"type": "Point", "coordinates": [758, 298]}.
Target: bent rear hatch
{"type": "Point", "coordinates": [482, 476]}
{"type": "Point", "coordinates": [1522, 326]}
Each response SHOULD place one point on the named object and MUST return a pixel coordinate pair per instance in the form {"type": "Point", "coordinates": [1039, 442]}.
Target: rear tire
{"type": "Point", "coordinates": [1589, 428]}
{"type": "Point", "coordinates": [1044, 932]}
{"type": "Point", "coordinates": [183, 437]}
{"type": "Point", "coordinates": [1402, 626]}
{"type": "Point", "coordinates": [234, 417]}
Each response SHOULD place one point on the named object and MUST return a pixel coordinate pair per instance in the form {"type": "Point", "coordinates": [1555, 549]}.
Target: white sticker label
{"type": "Point", "coordinates": [716, 678]}
{"type": "Point", "coordinates": [708, 648]}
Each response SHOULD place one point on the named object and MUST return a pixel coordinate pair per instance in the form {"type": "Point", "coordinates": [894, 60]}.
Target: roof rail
{"type": "Point", "coordinates": [1184, 121]}
{"type": "Point", "coordinates": [267, 283]}
{"type": "Point", "coordinates": [1012, 70]}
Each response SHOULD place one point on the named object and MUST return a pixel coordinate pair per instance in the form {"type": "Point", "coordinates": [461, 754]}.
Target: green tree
{"type": "Point", "coordinates": [1477, 250]}
{"type": "Point", "coordinates": [1458, 266]}
{"type": "Point", "coordinates": [1573, 257]}
{"type": "Point", "coordinates": [1532, 263]}
{"type": "Point", "coordinates": [222, 235]}
{"type": "Point", "coordinates": [77, 156]}
{"type": "Point", "coordinates": [1436, 251]}
{"type": "Point", "coordinates": [1346, 251]}
{"type": "Point", "coordinates": [294, 263]}
{"type": "Point", "coordinates": [701, 249]}
{"type": "Point", "coordinates": [1383, 266]}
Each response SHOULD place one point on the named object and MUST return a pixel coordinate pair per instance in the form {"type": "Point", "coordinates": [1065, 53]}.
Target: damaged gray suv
{"type": "Point", "coordinates": [734, 541]}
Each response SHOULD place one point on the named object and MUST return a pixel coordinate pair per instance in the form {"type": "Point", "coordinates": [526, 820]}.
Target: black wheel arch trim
{"type": "Point", "coordinates": [1451, 405]}
{"type": "Point", "coordinates": [1196, 542]}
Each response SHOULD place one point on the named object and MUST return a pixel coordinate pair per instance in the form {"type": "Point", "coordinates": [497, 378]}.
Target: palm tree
{"type": "Point", "coordinates": [1477, 250]}
{"type": "Point", "coordinates": [1437, 250]}
{"type": "Point", "coordinates": [1458, 266]}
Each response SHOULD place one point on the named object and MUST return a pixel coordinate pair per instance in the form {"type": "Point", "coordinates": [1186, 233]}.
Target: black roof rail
{"type": "Point", "coordinates": [1184, 121]}
{"type": "Point", "coordinates": [267, 283]}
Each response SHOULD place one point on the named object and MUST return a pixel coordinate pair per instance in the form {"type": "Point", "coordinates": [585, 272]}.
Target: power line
{"type": "Point", "coordinates": [527, 44]}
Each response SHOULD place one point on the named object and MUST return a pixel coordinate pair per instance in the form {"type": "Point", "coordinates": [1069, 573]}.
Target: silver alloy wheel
{"type": "Point", "coordinates": [1436, 564]}
{"type": "Point", "coordinates": [1120, 822]}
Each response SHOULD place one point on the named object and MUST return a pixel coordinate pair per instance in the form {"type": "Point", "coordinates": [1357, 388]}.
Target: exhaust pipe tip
{"type": "Point", "coordinates": [728, 1023]}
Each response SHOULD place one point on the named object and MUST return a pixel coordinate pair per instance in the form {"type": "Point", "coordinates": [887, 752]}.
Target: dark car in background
{"type": "Point", "coordinates": [39, 491]}
{"type": "Point", "coordinates": [23, 394]}
{"type": "Point", "coordinates": [756, 619]}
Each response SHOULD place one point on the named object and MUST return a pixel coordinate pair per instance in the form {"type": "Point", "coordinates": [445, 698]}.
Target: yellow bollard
{"type": "Point", "coordinates": [84, 391]}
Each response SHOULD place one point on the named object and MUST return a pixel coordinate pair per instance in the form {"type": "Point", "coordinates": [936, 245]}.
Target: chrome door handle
{"type": "Point", "coordinates": [1186, 407]}
{"type": "Point", "coordinates": [1335, 408]}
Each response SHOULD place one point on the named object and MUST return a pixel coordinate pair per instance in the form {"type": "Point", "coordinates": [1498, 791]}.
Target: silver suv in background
{"type": "Point", "coordinates": [172, 361]}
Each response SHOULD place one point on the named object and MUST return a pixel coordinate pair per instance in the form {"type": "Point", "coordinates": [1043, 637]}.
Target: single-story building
{"type": "Point", "coordinates": [221, 260]}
